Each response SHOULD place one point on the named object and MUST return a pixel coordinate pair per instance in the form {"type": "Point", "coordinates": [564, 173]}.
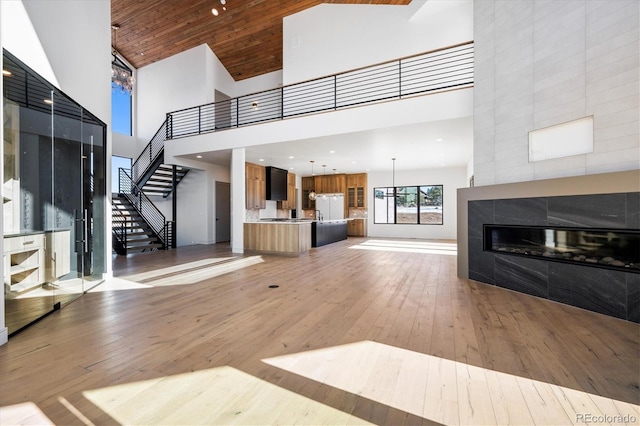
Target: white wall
{"type": "Point", "coordinates": [259, 83]}
{"type": "Point", "coordinates": [330, 38]}
{"type": "Point", "coordinates": [181, 81]}
{"type": "Point", "coordinates": [76, 39]}
{"type": "Point", "coordinates": [450, 178]}
{"type": "Point", "coordinates": [196, 203]}
{"type": "Point", "coordinates": [541, 63]}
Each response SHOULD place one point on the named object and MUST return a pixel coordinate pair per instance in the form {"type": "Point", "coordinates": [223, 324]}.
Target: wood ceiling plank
{"type": "Point", "coordinates": [247, 37]}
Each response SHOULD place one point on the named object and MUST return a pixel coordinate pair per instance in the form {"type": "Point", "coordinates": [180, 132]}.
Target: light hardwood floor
{"type": "Point", "coordinates": [356, 332]}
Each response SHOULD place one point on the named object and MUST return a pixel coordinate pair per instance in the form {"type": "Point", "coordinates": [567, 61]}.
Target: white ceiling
{"type": "Point", "coordinates": [432, 145]}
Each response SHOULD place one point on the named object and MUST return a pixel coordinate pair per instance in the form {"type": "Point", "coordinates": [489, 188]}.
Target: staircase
{"type": "Point", "coordinates": [160, 182]}
{"type": "Point", "coordinates": [131, 233]}
{"type": "Point", "coordinates": [137, 223]}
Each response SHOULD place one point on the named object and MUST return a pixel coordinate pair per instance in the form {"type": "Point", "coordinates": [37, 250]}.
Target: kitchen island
{"type": "Point", "coordinates": [290, 237]}
{"type": "Point", "coordinates": [325, 232]}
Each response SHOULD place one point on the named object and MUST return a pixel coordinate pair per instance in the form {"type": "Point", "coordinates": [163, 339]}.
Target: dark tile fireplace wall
{"type": "Point", "coordinates": [610, 292]}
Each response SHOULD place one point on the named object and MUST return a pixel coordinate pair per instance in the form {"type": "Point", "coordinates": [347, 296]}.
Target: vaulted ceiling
{"type": "Point", "coordinates": [246, 37]}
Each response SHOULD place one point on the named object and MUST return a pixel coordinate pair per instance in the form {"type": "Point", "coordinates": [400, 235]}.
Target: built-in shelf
{"type": "Point", "coordinates": [24, 261]}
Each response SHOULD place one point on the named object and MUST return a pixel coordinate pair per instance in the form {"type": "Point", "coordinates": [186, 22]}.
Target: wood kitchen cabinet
{"type": "Point", "coordinates": [331, 184]}
{"type": "Point", "coordinates": [357, 228]}
{"type": "Point", "coordinates": [256, 192]}
{"type": "Point", "coordinates": [357, 191]}
{"type": "Point", "coordinates": [308, 185]}
{"type": "Point", "coordinates": [290, 202]}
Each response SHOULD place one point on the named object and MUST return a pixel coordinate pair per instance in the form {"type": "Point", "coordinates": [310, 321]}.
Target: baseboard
{"type": "Point", "coordinates": [4, 335]}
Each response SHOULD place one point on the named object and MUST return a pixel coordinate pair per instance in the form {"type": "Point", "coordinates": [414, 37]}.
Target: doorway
{"type": "Point", "coordinates": [223, 212]}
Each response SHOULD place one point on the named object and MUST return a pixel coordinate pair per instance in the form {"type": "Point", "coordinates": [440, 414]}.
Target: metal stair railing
{"type": "Point", "coordinates": [149, 212]}
{"type": "Point", "coordinates": [438, 70]}
{"type": "Point", "coordinates": [147, 158]}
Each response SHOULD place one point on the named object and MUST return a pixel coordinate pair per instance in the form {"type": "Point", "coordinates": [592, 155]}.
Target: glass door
{"type": "Point", "coordinates": [54, 197]}
{"type": "Point", "coordinates": [76, 228]}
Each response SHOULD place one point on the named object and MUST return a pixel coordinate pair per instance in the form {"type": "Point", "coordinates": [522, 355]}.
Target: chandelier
{"type": "Point", "coordinates": [121, 75]}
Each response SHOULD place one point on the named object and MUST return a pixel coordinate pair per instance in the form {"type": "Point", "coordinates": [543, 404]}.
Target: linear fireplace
{"type": "Point", "coordinates": [582, 250]}
{"type": "Point", "coordinates": [617, 249]}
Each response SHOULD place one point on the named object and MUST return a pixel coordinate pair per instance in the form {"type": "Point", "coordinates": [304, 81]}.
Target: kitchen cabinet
{"type": "Point", "coordinates": [290, 238]}
{"type": "Point", "coordinates": [256, 192]}
{"type": "Point", "coordinates": [330, 184]}
{"type": "Point", "coordinates": [357, 191]}
{"type": "Point", "coordinates": [290, 202]}
{"type": "Point", "coordinates": [357, 228]}
{"type": "Point", "coordinates": [308, 185]}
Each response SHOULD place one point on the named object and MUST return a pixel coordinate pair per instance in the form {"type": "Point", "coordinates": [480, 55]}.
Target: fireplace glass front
{"type": "Point", "coordinates": [606, 248]}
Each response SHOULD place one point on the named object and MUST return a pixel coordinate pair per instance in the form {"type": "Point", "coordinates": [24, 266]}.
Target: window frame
{"type": "Point", "coordinates": [395, 193]}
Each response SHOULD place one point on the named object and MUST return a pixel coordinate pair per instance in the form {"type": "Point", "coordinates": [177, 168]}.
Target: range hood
{"type": "Point", "coordinates": [276, 183]}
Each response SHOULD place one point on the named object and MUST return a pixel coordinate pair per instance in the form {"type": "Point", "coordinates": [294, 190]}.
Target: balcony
{"type": "Point", "coordinates": [436, 71]}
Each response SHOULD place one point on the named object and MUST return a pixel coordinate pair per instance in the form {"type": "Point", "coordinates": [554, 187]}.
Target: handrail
{"type": "Point", "coordinates": [138, 199]}
{"type": "Point", "coordinates": [149, 154]}
{"type": "Point", "coordinates": [437, 70]}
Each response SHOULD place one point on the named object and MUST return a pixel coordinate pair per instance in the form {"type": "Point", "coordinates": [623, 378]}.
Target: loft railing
{"type": "Point", "coordinates": [437, 70]}
{"type": "Point", "coordinates": [149, 154]}
{"type": "Point", "coordinates": [162, 228]}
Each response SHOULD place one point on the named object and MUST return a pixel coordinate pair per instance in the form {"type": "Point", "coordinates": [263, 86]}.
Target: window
{"type": "Point", "coordinates": [420, 205]}
{"type": "Point", "coordinates": [120, 110]}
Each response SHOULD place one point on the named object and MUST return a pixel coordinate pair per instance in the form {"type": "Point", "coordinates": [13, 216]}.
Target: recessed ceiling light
{"type": "Point", "coordinates": [291, 157]}
{"type": "Point", "coordinates": [439, 140]}
{"type": "Point", "coordinates": [198, 156]}
{"type": "Point", "coordinates": [353, 162]}
{"type": "Point", "coordinates": [48, 101]}
{"type": "Point", "coordinates": [290, 168]}
{"type": "Point", "coordinates": [262, 159]}
{"type": "Point", "coordinates": [332, 152]}
{"type": "Point", "coordinates": [6, 72]}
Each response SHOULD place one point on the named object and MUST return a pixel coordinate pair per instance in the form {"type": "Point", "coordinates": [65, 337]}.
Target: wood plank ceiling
{"type": "Point", "coordinates": [247, 37]}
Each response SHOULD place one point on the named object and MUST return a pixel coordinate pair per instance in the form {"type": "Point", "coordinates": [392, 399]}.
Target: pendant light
{"type": "Point", "coordinates": [312, 194]}
{"type": "Point", "coordinates": [393, 179]}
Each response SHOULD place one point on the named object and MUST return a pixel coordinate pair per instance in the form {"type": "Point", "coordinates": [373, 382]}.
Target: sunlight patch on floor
{"type": "Point", "coordinates": [196, 275]}
{"type": "Point", "coordinates": [222, 395]}
{"type": "Point", "coordinates": [143, 276]}
{"type": "Point", "coordinates": [427, 247]}
{"type": "Point", "coordinates": [26, 413]}
{"type": "Point", "coordinates": [113, 284]}
{"type": "Point", "coordinates": [188, 273]}
{"type": "Point", "coordinates": [450, 392]}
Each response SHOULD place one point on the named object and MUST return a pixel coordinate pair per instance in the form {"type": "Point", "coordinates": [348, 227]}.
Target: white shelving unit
{"type": "Point", "coordinates": [24, 262]}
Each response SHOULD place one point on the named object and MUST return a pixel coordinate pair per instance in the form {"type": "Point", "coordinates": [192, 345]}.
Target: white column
{"type": "Point", "coordinates": [237, 199]}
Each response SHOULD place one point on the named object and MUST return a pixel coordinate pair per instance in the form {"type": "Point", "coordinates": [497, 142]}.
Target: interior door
{"type": "Point", "coordinates": [223, 212]}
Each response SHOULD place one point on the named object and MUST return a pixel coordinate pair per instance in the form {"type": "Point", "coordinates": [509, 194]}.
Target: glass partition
{"type": "Point", "coordinates": [54, 196]}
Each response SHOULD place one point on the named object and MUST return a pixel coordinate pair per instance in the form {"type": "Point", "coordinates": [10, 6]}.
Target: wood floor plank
{"type": "Point", "coordinates": [418, 341]}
